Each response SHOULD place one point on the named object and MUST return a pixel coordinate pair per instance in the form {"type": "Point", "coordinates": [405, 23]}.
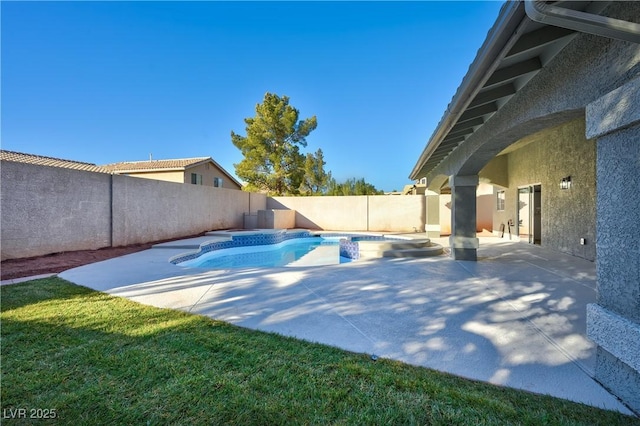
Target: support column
{"type": "Point", "coordinates": [463, 239]}
{"type": "Point", "coordinates": [613, 323]}
{"type": "Point", "coordinates": [432, 225]}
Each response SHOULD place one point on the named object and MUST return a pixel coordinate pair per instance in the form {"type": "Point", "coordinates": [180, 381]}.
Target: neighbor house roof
{"type": "Point", "coordinates": [156, 165]}
{"type": "Point", "coordinates": [516, 48]}
{"type": "Point", "coordinates": [41, 160]}
{"type": "Point", "coordinates": [177, 164]}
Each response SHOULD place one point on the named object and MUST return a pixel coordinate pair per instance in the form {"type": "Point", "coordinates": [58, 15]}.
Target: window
{"type": "Point", "coordinates": [196, 179]}
{"type": "Point", "coordinates": [500, 200]}
{"type": "Point", "coordinates": [217, 182]}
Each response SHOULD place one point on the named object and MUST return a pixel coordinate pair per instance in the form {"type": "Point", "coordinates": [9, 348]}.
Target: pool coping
{"type": "Point", "coordinates": [222, 240]}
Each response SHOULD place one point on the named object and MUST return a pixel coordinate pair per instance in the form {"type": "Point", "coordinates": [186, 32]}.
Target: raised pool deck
{"type": "Point", "coordinates": [516, 318]}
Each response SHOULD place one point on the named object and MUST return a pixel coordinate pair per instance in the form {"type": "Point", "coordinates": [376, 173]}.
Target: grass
{"type": "Point", "coordinates": [97, 359]}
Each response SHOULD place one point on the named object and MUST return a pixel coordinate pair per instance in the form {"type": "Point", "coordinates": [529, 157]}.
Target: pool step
{"type": "Point", "coordinates": [399, 248]}
{"type": "Point", "coordinates": [432, 250]}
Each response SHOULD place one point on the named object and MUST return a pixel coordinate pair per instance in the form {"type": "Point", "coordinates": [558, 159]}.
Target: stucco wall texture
{"type": "Point", "coordinates": [356, 213]}
{"type": "Point", "coordinates": [619, 222]}
{"type": "Point", "coordinates": [152, 210]}
{"type": "Point", "coordinates": [48, 210]}
{"type": "Point", "coordinates": [567, 215]}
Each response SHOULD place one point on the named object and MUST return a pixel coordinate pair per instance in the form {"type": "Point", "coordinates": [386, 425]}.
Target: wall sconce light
{"type": "Point", "coordinates": [565, 183]}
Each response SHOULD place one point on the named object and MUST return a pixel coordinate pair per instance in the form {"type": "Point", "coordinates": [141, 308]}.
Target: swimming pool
{"type": "Point", "coordinates": [306, 251]}
{"type": "Point", "coordinates": [276, 248]}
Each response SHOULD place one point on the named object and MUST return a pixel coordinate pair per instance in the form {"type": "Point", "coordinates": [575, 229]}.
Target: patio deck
{"type": "Point", "coordinates": [516, 318]}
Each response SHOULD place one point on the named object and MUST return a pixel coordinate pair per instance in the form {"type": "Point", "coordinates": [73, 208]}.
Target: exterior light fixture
{"type": "Point", "coordinates": [565, 183]}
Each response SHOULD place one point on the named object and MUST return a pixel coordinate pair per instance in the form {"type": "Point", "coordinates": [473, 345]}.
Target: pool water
{"type": "Point", "coordinates": [312, 251]}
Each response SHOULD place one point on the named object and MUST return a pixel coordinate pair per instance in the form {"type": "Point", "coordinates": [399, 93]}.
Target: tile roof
{"type": "Point", "coordinates": [40, 160]}
{"type": "Point", "coordinates": [180, 163]}
{"type": "Point", "coordinates": [123, 167]}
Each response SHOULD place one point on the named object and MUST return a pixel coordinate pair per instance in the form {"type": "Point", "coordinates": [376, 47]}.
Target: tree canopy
{"type": "Point", "coordinates": [316, 179]}
{"type": "Point", "coordinates": [352, 186]}
{"type": "Point", "coordinates": [272, 160]}
{"type": "Point", "coordinates": [273, 163]}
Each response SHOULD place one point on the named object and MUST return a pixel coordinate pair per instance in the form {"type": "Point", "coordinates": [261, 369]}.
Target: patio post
{"type": "Point", "coordinates": [463, 239]}
{"type": "Point", "coordinates": [613, 323]}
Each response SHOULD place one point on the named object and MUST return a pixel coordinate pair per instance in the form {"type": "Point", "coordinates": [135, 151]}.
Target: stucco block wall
{"type": "Point", "coordinates": [397, 213]}
{"type": "Point", "coordinates": [50, 209]}
{"type": "Point", "coordinates": [356, 213]}
{"type": "Point", "coordinates": [256, 202]}
{"type": "Point", "coordinates": [567, 215]}
{"type": "Point", "coordinates": [276, 219]}
{"type": "Point", "coordinates": [334, 213]}
{"type": "Point", "coordinates": [151, 210]}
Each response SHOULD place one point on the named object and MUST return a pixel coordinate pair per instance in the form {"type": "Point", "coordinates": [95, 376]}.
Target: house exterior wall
{"type": "Point", "coordinates": [169, 176]}
{"type": "Point", "coordinates": [602, 73]}
{"type": "Point", "coordinates": [567, 215]}
{"type": "Point", "coordinates": [596, 79]}
{"type": "Point", "coordinates": [209, 171]}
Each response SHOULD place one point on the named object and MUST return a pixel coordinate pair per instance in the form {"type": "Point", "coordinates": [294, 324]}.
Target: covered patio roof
{"type": "Point", "coordinates": [516, 48]}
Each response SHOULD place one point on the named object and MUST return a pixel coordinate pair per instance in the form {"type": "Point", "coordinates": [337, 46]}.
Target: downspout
{"type": "Point", "coordinates": [540, 11]}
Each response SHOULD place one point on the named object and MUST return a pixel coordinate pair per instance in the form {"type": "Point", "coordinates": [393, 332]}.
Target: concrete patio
{"type": "Point", "coordinates": [517, 317]}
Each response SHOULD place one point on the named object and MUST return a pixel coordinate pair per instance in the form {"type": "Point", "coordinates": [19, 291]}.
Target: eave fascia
{"type": "Point", "coordinates": [499, 41]}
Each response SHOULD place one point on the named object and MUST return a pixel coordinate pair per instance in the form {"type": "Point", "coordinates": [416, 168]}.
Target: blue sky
{"type": "Point", "coordinates": [104, 82]}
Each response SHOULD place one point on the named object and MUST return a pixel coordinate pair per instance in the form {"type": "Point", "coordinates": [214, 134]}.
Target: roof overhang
{"type": "Point", "coordinates": [515, 50]}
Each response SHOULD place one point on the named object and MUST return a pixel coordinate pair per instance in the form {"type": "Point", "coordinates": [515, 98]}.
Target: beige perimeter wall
{"type": "Point", "coordinates": [48, 210]}
{"type": "Point", "coordinates": [356, 213]}
{"type": "Point", "coordinates": [152, 210]}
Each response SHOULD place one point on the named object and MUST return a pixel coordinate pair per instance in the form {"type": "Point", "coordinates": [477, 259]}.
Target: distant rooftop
{"type": "Point", "coordinates": [117, 168]}
{"type": "Point", "coordinates": [179, 163]}
{"type": "Point", "coordinates": [164, 165]}
{"type": "Point", "coordinates": [41, 160]}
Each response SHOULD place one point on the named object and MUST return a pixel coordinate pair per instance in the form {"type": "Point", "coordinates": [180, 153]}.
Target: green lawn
{"type": "Point", "coordinates": [97, 359]}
